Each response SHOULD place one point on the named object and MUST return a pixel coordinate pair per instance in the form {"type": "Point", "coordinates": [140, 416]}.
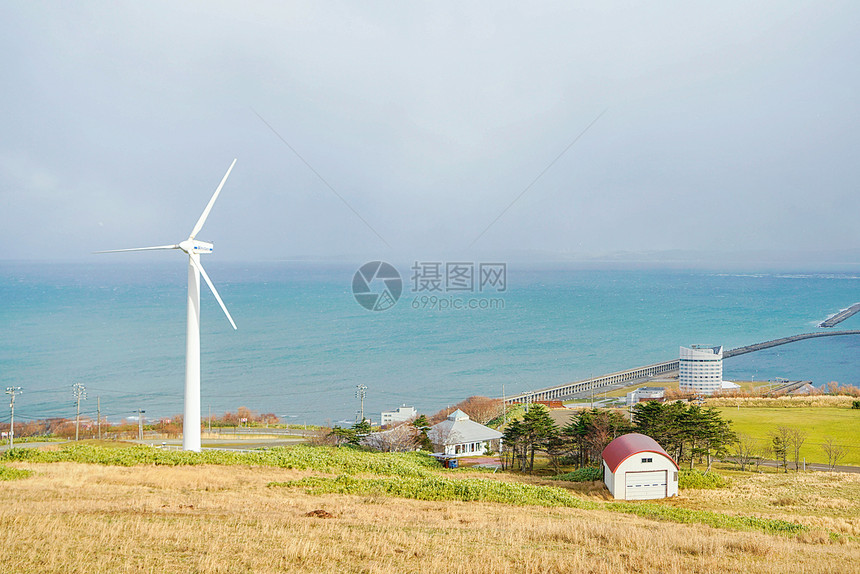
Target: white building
{"type": "Point", "coordinates": [458, 435]}
{"type": "Point", "coordinates": [730, 386]}
{"type": "Point", "coordinates": [700, 369]}
{"type": "Point", "coordinates": [401, 415]}
{"type": "Point", "coordinates": [645, 394]}
{"type": "Point", "coordinates": [635, 467]}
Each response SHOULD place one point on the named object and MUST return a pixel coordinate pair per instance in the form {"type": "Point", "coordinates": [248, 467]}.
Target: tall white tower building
{"type": "Point", "coordinates": [700, 369]}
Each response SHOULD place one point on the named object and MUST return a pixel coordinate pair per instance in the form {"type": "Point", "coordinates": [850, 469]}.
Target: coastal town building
{"type": "Point", "coordinates": [646, 394]}
{"type": "Point", "coordinates": [401, 415]}
{"type": "Point", "coordinates": [635, 467]}
{"type": "Point", "coordinates": [700, 369]}
{"type": "Point", "coordinates": [458, 436]}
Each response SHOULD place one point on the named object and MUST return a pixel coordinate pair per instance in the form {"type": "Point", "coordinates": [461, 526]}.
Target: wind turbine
{"type": "Point", "coordinates": [194, 248]}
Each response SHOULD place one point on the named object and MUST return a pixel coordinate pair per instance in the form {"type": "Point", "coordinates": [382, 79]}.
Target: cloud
{"type": "Point", "coordinates": [726, 125]}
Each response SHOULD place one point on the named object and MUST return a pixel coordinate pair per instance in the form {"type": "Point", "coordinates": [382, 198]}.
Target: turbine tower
{"type": "Point", "coordinates": [194, 248]}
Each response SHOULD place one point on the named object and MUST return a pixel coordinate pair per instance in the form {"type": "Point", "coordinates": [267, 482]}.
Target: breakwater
{"type": "Point", "coordinates": [641, 374]}
{"type": "Point", "coordinates": [841, 316]}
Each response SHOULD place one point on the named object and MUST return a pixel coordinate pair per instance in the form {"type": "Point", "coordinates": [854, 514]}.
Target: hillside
{"type": "Point", "coordinates": [234, 517]}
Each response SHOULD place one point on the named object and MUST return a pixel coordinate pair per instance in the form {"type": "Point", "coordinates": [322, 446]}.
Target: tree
{"type": "Point", "coordinates": [746, 450]}
{"type": "Point", "coordinates": [796, 438]}
{"type": "Point", "coordinates": [538, 428]}
{"type": "Point", "coordinates": [524, 437]}
{"type": "Point", "coordinates": [401, 438]}
{"type": "Point", "coordinates": [833, 450]}
{"type": "Point", "coordinates": [693, 424]}
{"type": "Point", "coordinates": [352, 435]}
{"type": "Point", "coordinates": [342, 435]}
{"type": "Point", "coordinates": [590, 431]}
{"type": "Point", "coordinates": [480, 409]}
{"type": "Point", "coordinates": [685, 432]}
{"type": "Point", "coordinates": [512, 445]}
{"type": "Point", "coordinates": [717, 435]}
{"type": "Point", "coordinates": [779, 445]}
{"type": "Point", "coordinates": [664, 422]}
{"type": "Point", "coordinates": [423, 425]}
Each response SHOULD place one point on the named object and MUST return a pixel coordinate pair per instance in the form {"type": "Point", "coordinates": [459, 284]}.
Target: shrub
{"type": "Point", "coordinates": [322, 459]}
{"type": "Point", "coordinates": [698, 479]}
{"type": "Point", "coordinates": [584, 474]}
{"type": "Point", "coordinates": [442, 488]}
{"type": "Point", "coordinates": [855, 404]}
{"type": "Point", "coordinates": [714, 519]}
{"type": "Point", "coordinates": [7, 473]}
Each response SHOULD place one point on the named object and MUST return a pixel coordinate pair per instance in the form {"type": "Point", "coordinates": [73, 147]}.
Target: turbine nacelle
{"type": "Point", "coordinates": [191, 246]}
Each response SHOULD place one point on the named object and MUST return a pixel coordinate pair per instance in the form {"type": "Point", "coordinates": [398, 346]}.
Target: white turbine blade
{"type": "Point", "coordinates": [139, 249]}
{"type": "Point", "coordinates": [212, 288]}
{"type": "Point", "coordinates": [206, 211]}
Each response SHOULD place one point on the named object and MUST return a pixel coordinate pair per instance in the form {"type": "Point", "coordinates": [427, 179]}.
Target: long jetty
{"type": "Point", "coordinates": [639, 374]}
{"type": "Point", "coordinates": [841, 316]}
{"type": "Point", "coordinates": [784, 341]}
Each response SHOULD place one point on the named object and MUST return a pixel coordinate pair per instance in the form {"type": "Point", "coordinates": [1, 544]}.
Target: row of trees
{"type": "Point", "coordinates": [170, 426]}
{"type": "Point", "coordinates": [686, 432]}
{"type": "Point", "coordinates": [832, 388]}
{"type": "Point", "coordinates": [783, 446]}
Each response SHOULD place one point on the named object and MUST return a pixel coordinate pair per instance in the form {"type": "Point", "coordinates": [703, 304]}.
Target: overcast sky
{"type": "Point", "coordinates": [725, 126]}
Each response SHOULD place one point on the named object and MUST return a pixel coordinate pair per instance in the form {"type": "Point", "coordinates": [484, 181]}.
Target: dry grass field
{"type": "Point", "coordinates": [72, 517]}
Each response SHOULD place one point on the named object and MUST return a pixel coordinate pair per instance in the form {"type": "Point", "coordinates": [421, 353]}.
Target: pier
{"type": "Point", "coordinates": [841, 316]}
{"type": "Point", "coordinates": [642, 374]}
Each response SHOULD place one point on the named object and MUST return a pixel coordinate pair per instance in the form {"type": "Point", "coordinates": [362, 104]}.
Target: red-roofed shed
{"type": "Point", "coordinates": [635, 467]}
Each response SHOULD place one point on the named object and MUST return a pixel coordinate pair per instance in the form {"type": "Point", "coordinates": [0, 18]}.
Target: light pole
{"type": "Point", "coordinates": [140, 414]}
{"type": "Point", "coordinates": [12, 391]}
{"type": "Point", "coordinates": [80, 392]}
{"type": "Point", "coordinates": [360, 393]}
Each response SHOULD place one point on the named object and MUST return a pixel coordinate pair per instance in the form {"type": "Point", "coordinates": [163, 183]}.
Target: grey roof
{"type": "Point", "coordinates": [458, 428]}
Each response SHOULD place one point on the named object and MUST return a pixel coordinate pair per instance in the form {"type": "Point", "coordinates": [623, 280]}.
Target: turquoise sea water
{"type": "Point", "coordinates": [304, 343]}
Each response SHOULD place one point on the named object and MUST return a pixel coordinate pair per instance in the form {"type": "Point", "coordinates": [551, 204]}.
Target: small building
{"type": "Point", "coordinates": [635, 467]}
{"type": "Point", "coordinates": [458, 435]}
{"type": "Point", "coordinates": [646, 394]}
{"type": "Point", "coordinates": [401, 415]}
{"type": "Point", "coordinates": [551, 404]}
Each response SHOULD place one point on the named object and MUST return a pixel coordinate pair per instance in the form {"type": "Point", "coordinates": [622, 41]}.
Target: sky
{"type": "Point", "coordinates": [424, 129]}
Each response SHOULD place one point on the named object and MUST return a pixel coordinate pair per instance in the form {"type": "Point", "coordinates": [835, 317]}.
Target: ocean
{"type": "Point", "coordinates": [305, 342]}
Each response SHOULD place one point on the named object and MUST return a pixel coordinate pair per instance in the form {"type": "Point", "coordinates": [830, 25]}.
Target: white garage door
{"type": "Point", "coordinates": [645, 485]}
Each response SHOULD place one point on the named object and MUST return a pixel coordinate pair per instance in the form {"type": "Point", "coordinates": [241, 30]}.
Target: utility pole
{"type": "Point", "coordinates": [591, 384]}
{"type": "Point", "coordinates": [360, 393]}
{"type": "Point", "coordinates": [12, 391]}
{"type": "Point", "coordinates": [504, 408]}
{"type": "Point", "coordinates": [140, 414]}
{"type": "Point", "coordinates": [99, 415]}
{"type": "Point", "coordinates": [80, 391]}
{"type": "Point", "coordinates": [210, 419]}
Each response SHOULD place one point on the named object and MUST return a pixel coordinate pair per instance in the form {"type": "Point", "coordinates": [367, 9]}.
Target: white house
{"type": "Point", "coordinates": [460, 436]}
{"type": "Point", "coordinates": [401, 415]}
{"type": "Point", "coordinates": [635, 467]}
{"type": "Point", "coordinates": [646, 394]}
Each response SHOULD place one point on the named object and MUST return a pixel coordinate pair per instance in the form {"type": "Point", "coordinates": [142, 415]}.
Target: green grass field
{"type": "Point", "coordinates": [818, 422]}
